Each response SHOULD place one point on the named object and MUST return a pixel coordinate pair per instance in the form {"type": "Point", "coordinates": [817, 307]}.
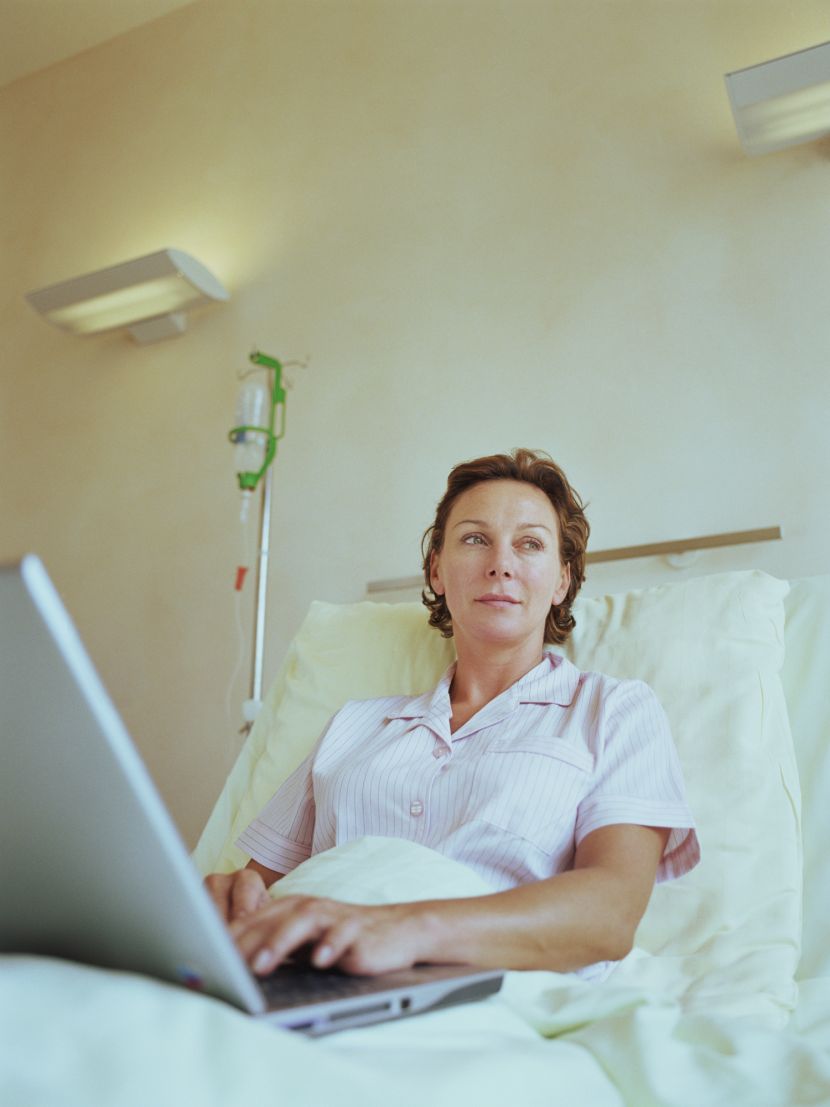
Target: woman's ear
{"type": "Point", "coordinates": [434, 574]}
{"type": "Point", "coordinates": [563, 586]}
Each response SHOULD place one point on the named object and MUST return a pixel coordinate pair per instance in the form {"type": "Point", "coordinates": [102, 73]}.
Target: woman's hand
{"type": "Point", "coordinates": [240, 893]}
{"type": "Point", "coordinates": [362, 940]}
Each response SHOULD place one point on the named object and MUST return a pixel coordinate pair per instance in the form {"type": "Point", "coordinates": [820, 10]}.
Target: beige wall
{"type": "Point", "coordinates": [488, 224]}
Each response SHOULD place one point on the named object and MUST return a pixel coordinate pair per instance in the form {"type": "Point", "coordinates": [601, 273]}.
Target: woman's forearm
{"type": "Point", "coordinates": [559, 924]}
{"type": "Point", "coordinates": [587, 914]}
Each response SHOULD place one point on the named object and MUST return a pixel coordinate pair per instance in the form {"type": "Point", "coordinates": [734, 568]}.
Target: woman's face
{"type": "Point", "coordinates": [499, 569]}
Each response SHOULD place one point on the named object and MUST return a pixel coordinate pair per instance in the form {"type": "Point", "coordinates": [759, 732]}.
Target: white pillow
{"type": "Point", "coordinates": [711, 648]}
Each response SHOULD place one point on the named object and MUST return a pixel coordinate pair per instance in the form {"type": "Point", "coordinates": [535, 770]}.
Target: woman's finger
{"type": "Point", "coordinates": [247, 894]}
{"type": "Point", "coordinates": [337, 940]}
{"type": "Point", "coordinates": [218, 887]}
{"type": "Point", "coordinates": [267, 938]}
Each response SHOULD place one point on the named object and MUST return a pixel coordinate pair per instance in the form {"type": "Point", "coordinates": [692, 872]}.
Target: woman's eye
{"type": "Point", "coordinates": [473, 539]}
{"type": "Point", "coordinates": [532, 544]}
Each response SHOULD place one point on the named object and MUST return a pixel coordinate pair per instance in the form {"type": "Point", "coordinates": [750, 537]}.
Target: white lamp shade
{"type": "Point", "coordinates": [158, 287]}
{"type": "Point", "coordinates": [782, 102]}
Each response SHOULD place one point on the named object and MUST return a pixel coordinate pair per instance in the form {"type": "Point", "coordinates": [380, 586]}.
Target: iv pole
{"type": "Point", "coordinates": [261, 591]}
{"type": "Point", "coordinates": [247, 483]}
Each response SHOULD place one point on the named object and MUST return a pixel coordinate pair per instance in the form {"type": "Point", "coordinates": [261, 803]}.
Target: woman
{"type": "Point", "coordinates": [562, 788]}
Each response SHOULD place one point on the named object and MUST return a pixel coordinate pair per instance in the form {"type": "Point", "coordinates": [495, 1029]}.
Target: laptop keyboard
{"type": "Point", "coordinates": [292, 985]}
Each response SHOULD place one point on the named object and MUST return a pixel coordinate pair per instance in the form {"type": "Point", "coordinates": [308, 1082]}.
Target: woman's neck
{"type": "Point", "coordinates": [481, 674]}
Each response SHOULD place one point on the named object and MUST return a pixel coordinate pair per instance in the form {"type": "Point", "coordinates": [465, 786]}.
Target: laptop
{"type": "Point", "coordinates": [93, 868]}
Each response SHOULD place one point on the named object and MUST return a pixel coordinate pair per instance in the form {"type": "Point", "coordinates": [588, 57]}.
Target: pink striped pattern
{"type": "Point", "coordinates": [510, 794]}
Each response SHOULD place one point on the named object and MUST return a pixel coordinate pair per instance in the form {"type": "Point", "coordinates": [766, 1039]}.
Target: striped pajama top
{"type": "Point", "coordinates": [511, 793]}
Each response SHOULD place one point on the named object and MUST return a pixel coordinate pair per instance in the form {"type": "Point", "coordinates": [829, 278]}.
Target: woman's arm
{"type": "Point", "coordinates": [587, 914]}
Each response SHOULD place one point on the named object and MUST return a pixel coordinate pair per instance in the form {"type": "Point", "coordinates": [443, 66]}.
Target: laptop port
{"type": "Point", "coordinates": [360, 1012]}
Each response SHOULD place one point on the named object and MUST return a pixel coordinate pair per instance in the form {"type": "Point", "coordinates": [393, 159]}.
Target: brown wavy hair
{"type": "Point", "coordinates": [536, 468]}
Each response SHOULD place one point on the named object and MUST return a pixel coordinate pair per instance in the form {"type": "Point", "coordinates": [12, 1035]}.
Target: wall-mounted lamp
{"type": "Point", "coordinates": [782, 102]}
{"type": "Point", "coordinates": [148, 295]}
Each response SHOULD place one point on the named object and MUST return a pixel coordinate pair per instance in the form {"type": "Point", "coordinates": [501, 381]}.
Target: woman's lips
{"type": "Point", "coordinates": [495, 599]}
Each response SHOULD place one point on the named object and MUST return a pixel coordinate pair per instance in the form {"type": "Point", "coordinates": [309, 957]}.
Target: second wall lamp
{"type": "Point", "coordinates": [781, 102]}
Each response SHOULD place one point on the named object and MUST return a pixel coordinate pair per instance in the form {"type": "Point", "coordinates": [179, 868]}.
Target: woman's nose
{"type": "Point", "coordinates": [501, 565]}
{"type": "Point", "coordinates": [500, 571]}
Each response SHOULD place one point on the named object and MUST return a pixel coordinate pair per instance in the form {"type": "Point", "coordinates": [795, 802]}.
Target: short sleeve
{"type": "Point", "coordinates": [638, 777]}
{"type": "Point", "coordinates": [281, 836]}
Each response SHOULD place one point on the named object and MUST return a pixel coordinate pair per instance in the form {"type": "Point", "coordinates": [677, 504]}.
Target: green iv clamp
{"type": "Point", "coordinates": [257, 433]}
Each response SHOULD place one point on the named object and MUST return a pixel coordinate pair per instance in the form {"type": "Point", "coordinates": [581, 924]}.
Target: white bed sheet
{"type": "Point", "coordinates": [74, 1036]}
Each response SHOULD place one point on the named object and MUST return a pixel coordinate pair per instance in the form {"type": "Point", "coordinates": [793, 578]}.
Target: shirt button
{"type": "Point", "coordinates": [440, 751]}
{"type": "Point", "coordinates": [416, 808]}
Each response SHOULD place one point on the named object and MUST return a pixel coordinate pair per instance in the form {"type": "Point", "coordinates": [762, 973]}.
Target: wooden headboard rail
{"type": "Point", "coordinates": [622, 553]}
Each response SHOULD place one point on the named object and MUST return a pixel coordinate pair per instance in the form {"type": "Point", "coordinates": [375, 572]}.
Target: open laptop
{"type": "Point", "coordinates": [92, 867]}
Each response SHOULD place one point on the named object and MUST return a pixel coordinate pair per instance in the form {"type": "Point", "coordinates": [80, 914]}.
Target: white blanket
{"type": "Point", "coordinates": [73, 1036]}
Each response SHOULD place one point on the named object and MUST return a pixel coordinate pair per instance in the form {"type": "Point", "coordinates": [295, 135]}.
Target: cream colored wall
{"type": "Point", "coordinates": [488, 224]}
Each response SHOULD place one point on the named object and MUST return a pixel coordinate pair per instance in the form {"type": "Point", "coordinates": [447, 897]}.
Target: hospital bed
{"type": "Point", "coordinates": [725, 999]}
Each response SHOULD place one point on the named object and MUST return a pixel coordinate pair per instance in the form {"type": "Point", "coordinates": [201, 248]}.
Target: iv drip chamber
{"type": "Point", "coordinates": [252, 413]}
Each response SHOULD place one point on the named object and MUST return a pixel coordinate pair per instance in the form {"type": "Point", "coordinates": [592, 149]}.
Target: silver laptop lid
{"type": "Point", "coordinates": [92, 866]}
